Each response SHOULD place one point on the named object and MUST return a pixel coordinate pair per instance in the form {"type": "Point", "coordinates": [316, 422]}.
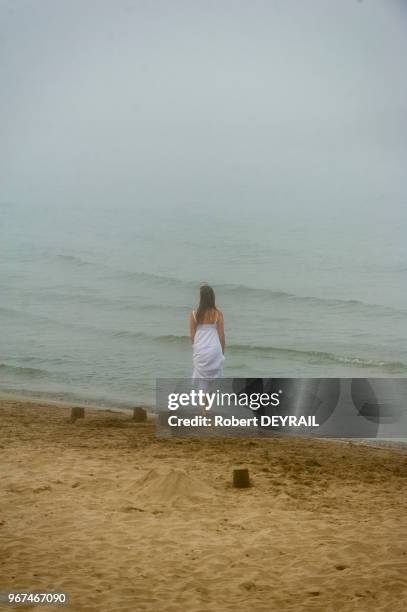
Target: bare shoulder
{"type": "Point", "coordinates": [220, 313]}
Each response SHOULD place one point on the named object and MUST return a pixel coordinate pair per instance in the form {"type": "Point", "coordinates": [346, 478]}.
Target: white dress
{"type": "Point", "coordinates": [207, 352]}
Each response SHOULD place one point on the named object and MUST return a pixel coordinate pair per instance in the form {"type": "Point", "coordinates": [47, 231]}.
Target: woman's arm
{"type": "Point", "coordinates": [221, 330]}
{"type": "Point", "coordinates": [192, 326]}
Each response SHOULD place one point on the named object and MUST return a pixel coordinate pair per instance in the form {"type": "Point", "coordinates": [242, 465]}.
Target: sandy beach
{"type": "Point", "coordinates": [124, 521]}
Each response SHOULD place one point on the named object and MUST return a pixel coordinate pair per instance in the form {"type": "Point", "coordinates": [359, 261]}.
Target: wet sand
{"type": "Point", "coordinates": [124, 521]}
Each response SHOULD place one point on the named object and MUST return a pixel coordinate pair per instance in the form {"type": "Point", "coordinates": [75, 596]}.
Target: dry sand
{"type": "Point", "coordinates": [122, 520]}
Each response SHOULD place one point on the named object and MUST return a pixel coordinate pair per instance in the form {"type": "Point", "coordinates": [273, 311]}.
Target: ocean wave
{"type": "Point", "coordinates": [23, 371]}
{"type": "Point", "coordinates": [160, 279]}
{"type": "Point", "coordinates": [173, 339]}
{"type": "Point", "coordinates": [237, 291]}
{"type": "Point", "coordinates": [267, 351]}
{"type": "Point", "coordinates": [251, 292]}
{"type": "Point", "coordinates": [321, 357]}
{"type": "Point", "coordinates": [233, 291]}
{"type": "Point", "coordinates": [166, 338]}
{"type": "Point", "coordinates": [76, 260]}
{"type": "Point", "coordinates": [8, 311]}
{"type": "Point", "coordinates": [310, 356]}
{"type": "Point", "coordinates": [20, 314]}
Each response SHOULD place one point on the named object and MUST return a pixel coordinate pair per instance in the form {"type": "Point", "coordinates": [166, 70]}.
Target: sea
{"type": "Point", "coordinates": [95, 297]}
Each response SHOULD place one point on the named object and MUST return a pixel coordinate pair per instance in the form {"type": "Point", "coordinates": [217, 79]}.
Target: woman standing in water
{"type": "Point", "coordinates": [207, 332]}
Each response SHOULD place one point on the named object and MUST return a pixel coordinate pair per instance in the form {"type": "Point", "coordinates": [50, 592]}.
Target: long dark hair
{"type": "Point", "coordinates": [206, 302]}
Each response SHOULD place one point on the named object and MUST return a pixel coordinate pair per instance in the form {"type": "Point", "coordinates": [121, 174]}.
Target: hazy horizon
{"type": "Point", "coordinates": [274, 105]}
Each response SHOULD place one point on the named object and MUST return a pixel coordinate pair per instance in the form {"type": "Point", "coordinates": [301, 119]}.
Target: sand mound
{"type": "Point", "coordinates": [171, 486]}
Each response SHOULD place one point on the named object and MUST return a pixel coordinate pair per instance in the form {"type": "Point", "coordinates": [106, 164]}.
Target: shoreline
{"type": "Point", "coordinates": [48, 401]}
{"type": "Point", "coordinates": [377, 443]}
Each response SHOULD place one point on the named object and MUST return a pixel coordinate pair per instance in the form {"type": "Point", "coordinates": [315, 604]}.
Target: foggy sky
{"type": "Point", "coordinates": [202, 102]}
